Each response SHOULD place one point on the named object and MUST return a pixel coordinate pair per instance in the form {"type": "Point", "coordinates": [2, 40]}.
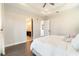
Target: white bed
{"type": "Point", "coordinates": [53, 46]}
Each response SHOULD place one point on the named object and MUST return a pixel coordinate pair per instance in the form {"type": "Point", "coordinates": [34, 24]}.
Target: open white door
{"type": "Point", "coordinates": [44, 28]}
{"type": "Point", "coordinates": [41, 28]}
{"type": "Point", "coordinates": [2, 49]}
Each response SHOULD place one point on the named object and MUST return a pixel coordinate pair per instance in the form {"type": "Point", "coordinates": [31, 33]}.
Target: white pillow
{"type": "Point", "coordinates": [75, 42]}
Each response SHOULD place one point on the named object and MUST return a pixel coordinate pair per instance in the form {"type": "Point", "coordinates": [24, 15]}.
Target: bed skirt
{"type": "Point", "coordinates": [36, 53]}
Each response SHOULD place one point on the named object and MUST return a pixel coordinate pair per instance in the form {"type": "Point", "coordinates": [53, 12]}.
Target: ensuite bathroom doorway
{"type": "Point", "coordinates": [29, 31]}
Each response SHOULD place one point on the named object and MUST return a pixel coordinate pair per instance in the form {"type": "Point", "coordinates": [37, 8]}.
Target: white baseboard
{"type": "Point", "coordinates": [15, 44]}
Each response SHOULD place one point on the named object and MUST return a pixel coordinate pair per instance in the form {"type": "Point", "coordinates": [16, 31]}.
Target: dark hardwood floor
{"type": "Point", "coordinates": [19, 50]}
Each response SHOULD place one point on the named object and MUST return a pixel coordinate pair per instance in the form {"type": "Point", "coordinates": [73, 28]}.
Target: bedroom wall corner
{"type": "Point", "coordinates": [65, 22]}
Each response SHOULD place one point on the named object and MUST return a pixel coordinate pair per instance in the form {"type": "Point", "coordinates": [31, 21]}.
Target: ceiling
{"type": "Point", "coordinates": [37, 8]}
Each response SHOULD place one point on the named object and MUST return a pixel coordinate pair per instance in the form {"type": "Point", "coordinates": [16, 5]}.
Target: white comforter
{"type": "Point", "coordinates": [53, 46]}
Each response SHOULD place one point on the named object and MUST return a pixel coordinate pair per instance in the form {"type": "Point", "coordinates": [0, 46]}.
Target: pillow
{"type": "Point", "coordinates": [71, 35]}
{"type": "Point", "coordinates": [75, 42]}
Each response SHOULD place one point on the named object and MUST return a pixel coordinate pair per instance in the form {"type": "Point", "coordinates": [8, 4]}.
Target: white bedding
{"type": "Point", "coordinates": [53, 46]}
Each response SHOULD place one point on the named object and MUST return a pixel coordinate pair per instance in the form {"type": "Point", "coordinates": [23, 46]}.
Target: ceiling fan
{"type": "Point", "coordinates": [49, 3]}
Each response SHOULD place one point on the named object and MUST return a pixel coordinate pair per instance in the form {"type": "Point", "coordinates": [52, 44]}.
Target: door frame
{"type": "Point", "coordinates": [32, 28]}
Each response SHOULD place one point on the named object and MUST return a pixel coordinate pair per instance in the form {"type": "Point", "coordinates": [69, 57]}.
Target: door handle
{"type": "Point", "coordinates": [1, 29]}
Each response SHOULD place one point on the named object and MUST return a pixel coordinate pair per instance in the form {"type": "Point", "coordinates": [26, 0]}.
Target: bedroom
{"type": "Point", "coordinates": [56, 21]}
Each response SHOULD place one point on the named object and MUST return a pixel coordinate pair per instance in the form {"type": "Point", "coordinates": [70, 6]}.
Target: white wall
{"type": "Point", "coordinates": [14, 28]}
{"type": "Point", "coordinates": [65, 22]}
{"type": "Point", "coordinates": [14, 25]}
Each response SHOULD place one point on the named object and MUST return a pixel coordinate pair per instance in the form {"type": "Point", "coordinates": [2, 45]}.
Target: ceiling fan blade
{"type": "Point", "coordinates": [44, 5]}
{"type": "Point", "coordinates": [52, 3]}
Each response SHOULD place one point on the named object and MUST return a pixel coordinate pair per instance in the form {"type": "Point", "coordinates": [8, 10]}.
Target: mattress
{"type": "Point", "coordinates": [52, 46]}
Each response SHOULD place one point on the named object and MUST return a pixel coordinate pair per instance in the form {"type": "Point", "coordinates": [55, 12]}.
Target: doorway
{"type": "Point", "coordinates": [44, 28]}
{"type": "Point", "coordinates": [29, 31]}
{"type": "Point", "coordinates": [29, 35]}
